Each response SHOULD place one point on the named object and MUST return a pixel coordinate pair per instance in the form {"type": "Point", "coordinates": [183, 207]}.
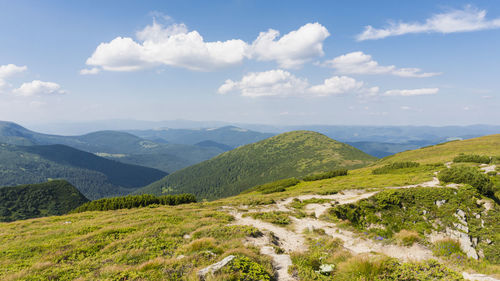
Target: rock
{"type": "Point", "coordinates": [465, 242]}
{"type": "Point", "coordinates": [440, 203]}
{"type": "Point", "coordinates": [186, 236]}
{"type": "Point", "coordinates": [180, 257]}
{"type": "Point", "coordinates": [214, 267]}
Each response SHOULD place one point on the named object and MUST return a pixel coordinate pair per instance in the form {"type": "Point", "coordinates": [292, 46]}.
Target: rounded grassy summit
{"type": "Point", "coordinates": [292, 154]}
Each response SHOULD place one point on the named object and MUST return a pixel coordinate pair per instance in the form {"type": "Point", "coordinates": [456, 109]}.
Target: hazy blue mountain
{"type": "Point", "coordinates": [383, 149]}
{"type": "Point", "coordinates": [229, 135]}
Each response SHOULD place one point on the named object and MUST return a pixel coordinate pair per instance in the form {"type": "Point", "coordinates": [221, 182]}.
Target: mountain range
{"type": "Point", "coordinates": [292, 154]}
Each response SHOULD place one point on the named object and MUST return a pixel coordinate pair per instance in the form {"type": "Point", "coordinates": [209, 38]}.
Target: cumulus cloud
{"type": "Point", "coordinates": [361, 63]}
{"type": "Point", "coordinates": [281, 83]}
{"type": "Point", "coordinates": [90, 71]}
{"type": "Point", "coordinates": [175, 45]}
{"type": "Point", "coordinates": [7, 71]}
{"type": "Point", "coordinates": [10, 69]}
{"type": "Point", "coordinates": [336, 85]}
{"type": "Point", "coordinates": [292, 49]}
{"type": "Point", "coordinates": [37, 87]}
{"type": "Point", "coordinates": [412, 92]}
{"type": "Point", "coordinates": [465, 20]}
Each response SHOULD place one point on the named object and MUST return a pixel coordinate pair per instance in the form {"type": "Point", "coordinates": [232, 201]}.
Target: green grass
{"type": "Point", "coordinates": [275, 217]}
{"type": "Point", "coordinates": [142, 243]}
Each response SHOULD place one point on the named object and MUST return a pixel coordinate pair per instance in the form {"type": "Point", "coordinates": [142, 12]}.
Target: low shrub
{"type": "Point", "coordinates": [474, 158]}
{"type": "Point", "coordinates": [326, 175]}
{"type": "Point", "coordinates": [468, 175]}
{"type": "Point", "coordinates": [394, 166]}
{"type": "Point", "coordinates": [276, 217]}
{"type": "Point", "coordinates": [243, 268]}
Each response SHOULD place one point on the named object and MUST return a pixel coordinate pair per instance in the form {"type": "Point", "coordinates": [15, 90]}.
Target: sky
{"type": "Point", "coordinates": [267, 62]}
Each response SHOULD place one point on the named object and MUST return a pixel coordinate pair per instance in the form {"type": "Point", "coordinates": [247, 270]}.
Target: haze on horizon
{"type": "Point", "coordinates": [261, 62]}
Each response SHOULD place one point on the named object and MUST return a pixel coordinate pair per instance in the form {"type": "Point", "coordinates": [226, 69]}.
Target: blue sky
{"type": "Point", "coordinates": [314, 62]}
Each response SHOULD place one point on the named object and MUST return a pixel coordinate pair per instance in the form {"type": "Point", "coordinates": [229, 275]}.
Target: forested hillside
{"type": "Point", "coordinates": [293, 154]}
{"type": "Point", "coordinates": [94, 176]}
{"type": "Point", "coordinates": [55, 197]}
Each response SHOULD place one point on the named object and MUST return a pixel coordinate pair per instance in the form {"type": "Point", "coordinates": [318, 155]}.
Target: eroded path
{"type": "Point", "coordinates": [292, 239]}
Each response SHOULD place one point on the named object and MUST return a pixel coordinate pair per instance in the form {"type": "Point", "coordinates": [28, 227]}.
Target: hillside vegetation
{"type": "Point", "coordinates": [38, 200]}
{"type": "Point", "coordinates": [94, 176]}
{"type": "Point", "coordinates": [292, 154]}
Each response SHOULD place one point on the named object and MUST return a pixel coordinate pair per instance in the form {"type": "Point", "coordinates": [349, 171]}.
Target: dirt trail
{"type": "Point", "coordinates": [294, 241]}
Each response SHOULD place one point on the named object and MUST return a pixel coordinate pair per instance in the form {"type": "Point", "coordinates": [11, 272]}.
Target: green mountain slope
{"type": "Point", "coordinates": [445, 152]}
{"type": "Point", "coordinates": [38, 200]}
{"type": "Point", "coordinates": [119, 146]}
{"type": "Point", "coordinates": [292, 154]}
{"type": "Point", "coordinates": [94, 176]}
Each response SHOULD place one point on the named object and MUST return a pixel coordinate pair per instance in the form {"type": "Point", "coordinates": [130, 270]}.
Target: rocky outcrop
{"type": "Point", "coordinates": [214, 267]}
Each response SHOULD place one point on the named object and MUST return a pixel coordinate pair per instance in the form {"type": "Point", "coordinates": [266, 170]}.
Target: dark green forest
{"type": "Point", "coordinates": [135, 201]}
{"type": "Point", "coordinates": [55, 197]}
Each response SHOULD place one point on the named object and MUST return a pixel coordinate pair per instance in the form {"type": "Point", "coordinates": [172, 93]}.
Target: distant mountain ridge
{"type": "Point", "coordinates": [292, 154]}
{"type": "Point", "coordinates": [116, 145]}
{"type": "Point", "coordinates": [228, 135]}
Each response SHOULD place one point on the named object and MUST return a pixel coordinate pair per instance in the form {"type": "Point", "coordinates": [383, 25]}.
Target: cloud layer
{"type": "Point", "coordinates": [361, 63]}
{"type": "Point", "coordinates": [175, 46]}
{"type": "Point", "coordinates": [281, 83]}
{"type": "Point", "coordinates": [466, 20]}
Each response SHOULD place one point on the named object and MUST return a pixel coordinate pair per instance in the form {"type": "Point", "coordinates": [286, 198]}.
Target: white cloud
{"type": "Point", "coordinates": [466, 20]}
{"type": "Point", "coordinates": [90, 71]}
{"type": "Point", "coordinates": [336, 85]}
{"type": "Point", "coordinates": [269, 83]}
{"type": "Point", "coordinates": [175, 45]}
{"type": "Point", "coordinates": [7, 71]}
{"type": "Point", "coordinates": [292, 49]}
{"type": "Point", "coordinates": [412, 92]}
{"type": "Point", "coordinates": [282, 83]}
{"type": "Point", "coordinates": [404, 107]}
{"type": "Point", "coordinates": [361, 63]}
{"type": "Point", "coordinates": [37, 87]}
{"type": "Point", "coordinates": [10, 69]}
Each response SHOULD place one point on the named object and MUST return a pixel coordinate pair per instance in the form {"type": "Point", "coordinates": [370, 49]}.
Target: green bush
{"type": "Point", "coordinates": [468, 175]}
{"type": "Point", "coordinates": [326, 175]}
{"type": "Point", "coordinates": [244, 269]}
{"type": "Point", "coordinates": [134, 201]}
{"type": "Point", "coordinates": [394, 166]}
{"type": "Point", "coordinates": [474, 158]}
